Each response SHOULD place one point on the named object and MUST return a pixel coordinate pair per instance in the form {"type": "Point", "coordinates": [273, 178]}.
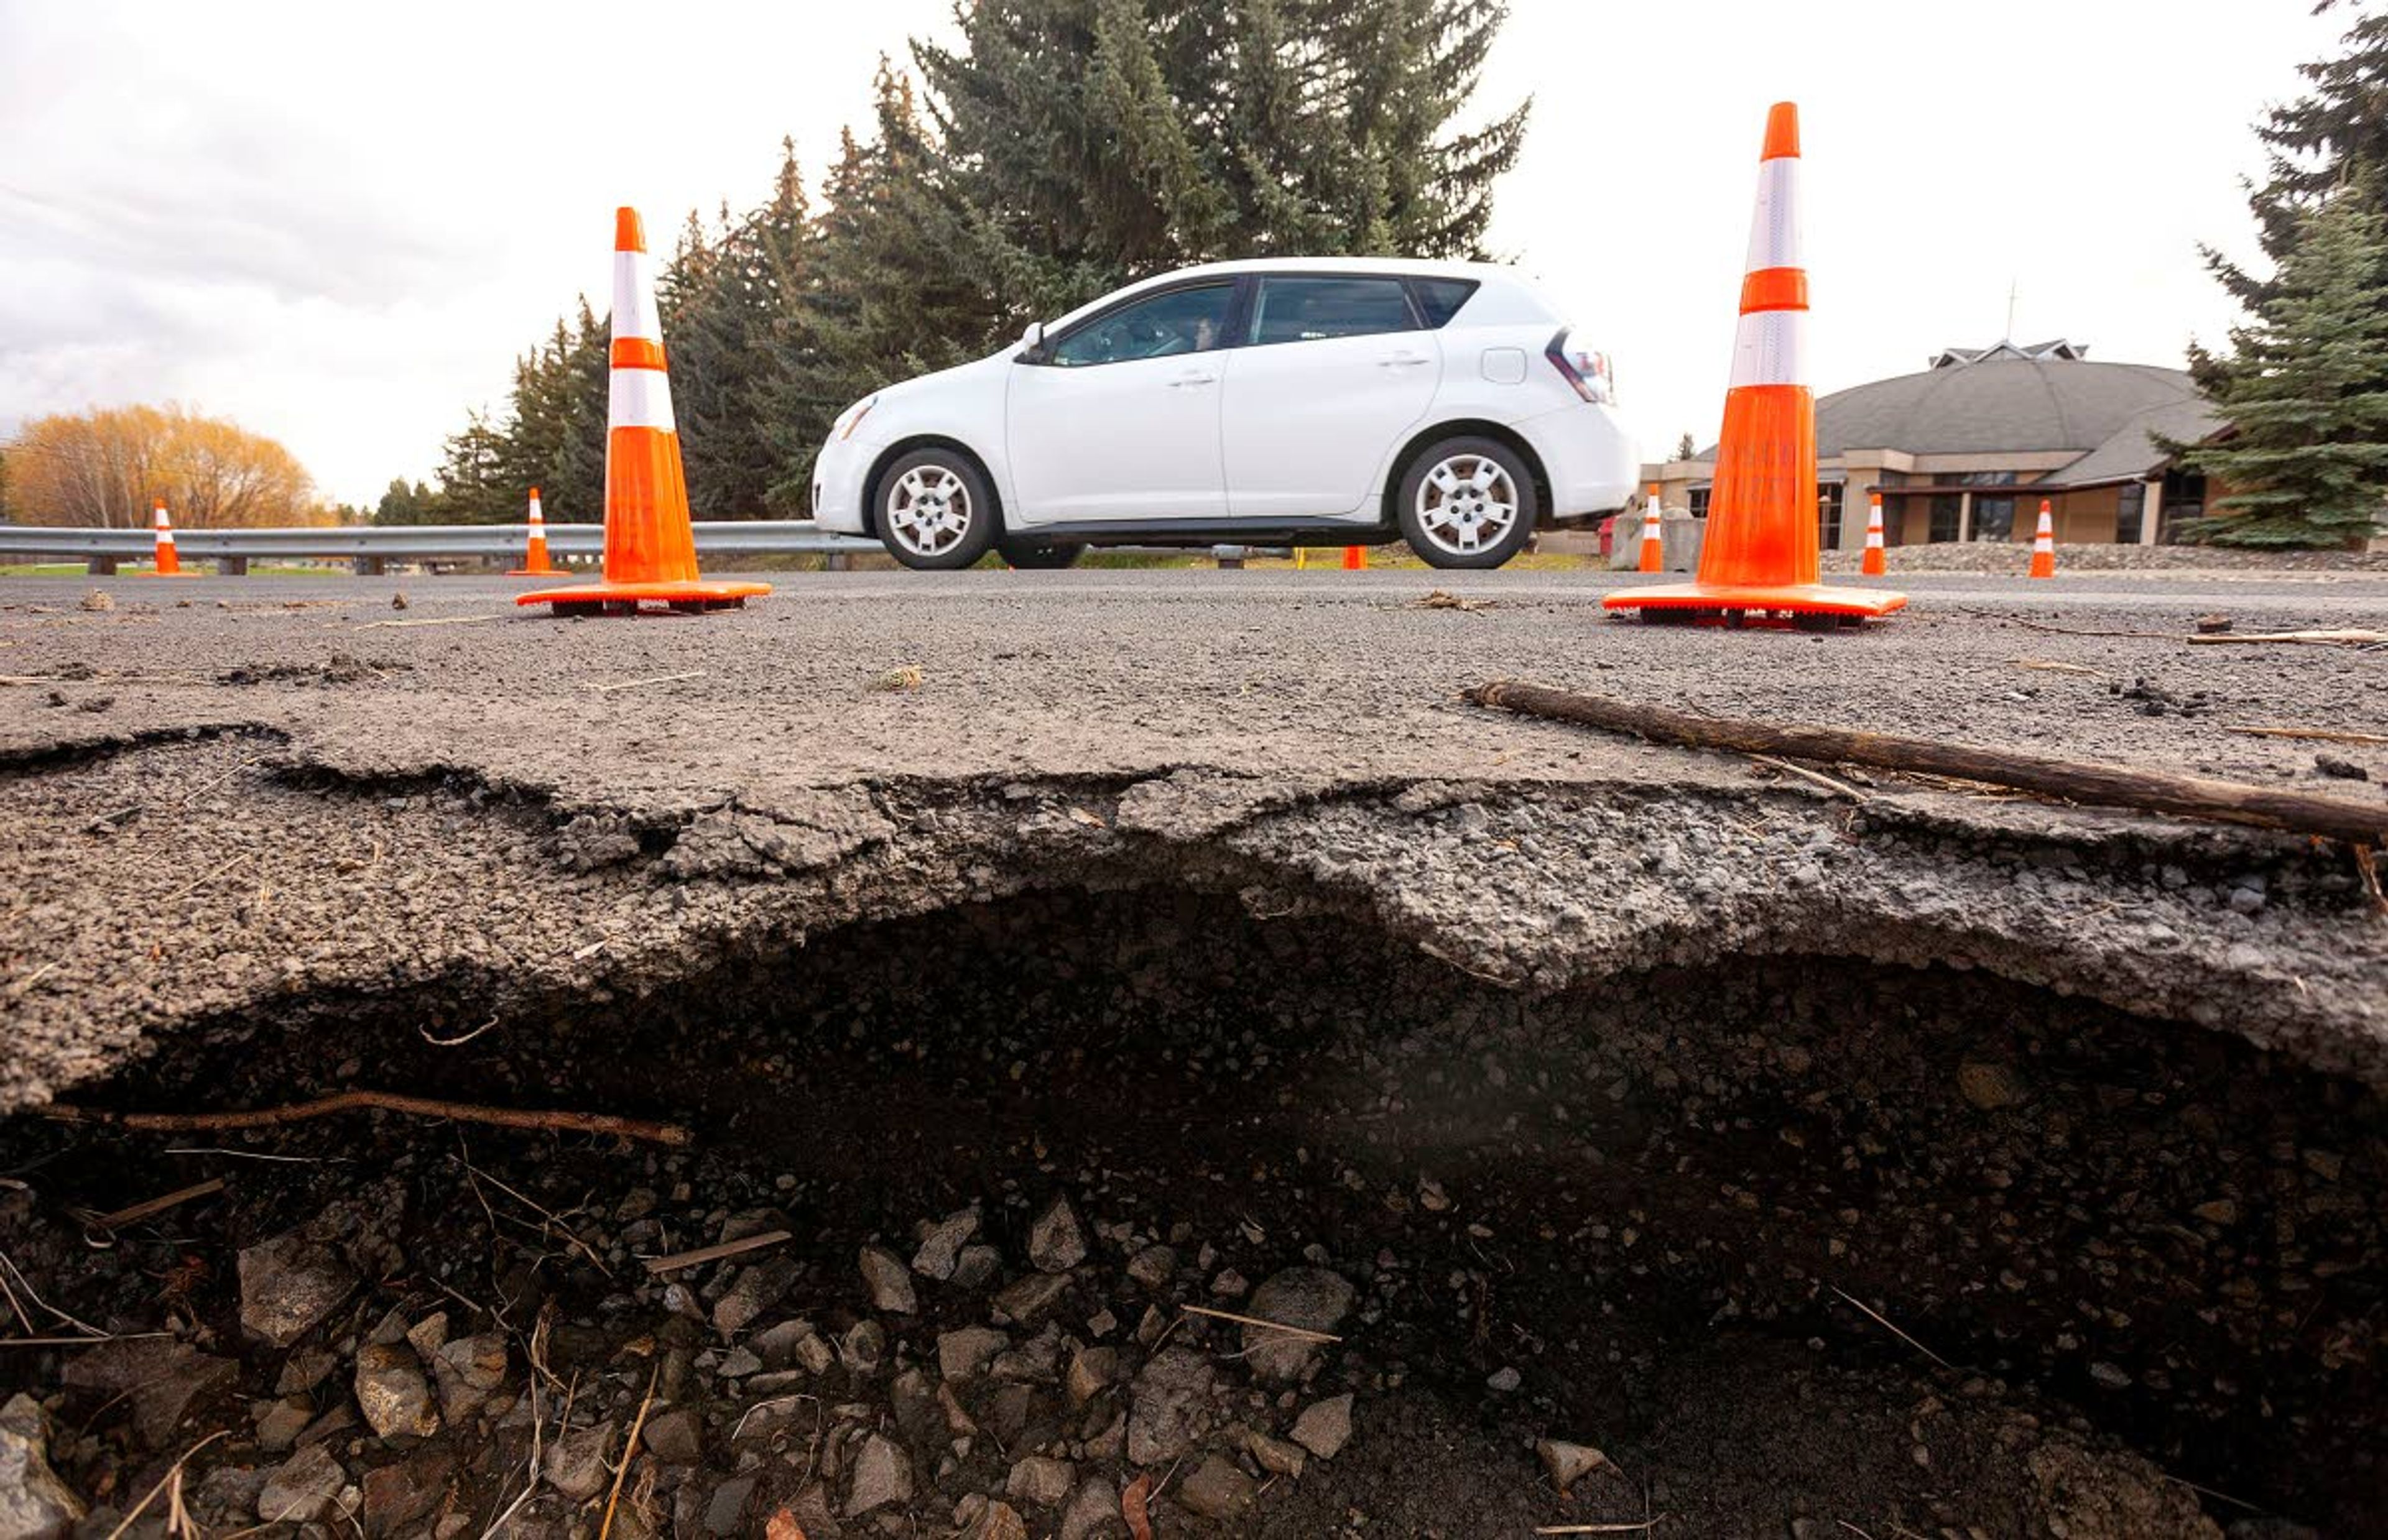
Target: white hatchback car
{"type": "Point", "coordinates": [1314, 401]}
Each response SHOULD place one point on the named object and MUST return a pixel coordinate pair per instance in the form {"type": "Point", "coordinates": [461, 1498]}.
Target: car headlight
{"type": "Point", "coordinates": [852, 420]}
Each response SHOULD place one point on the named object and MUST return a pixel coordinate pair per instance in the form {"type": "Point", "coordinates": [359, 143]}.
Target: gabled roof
{"type": "Point", "coordinates": [2058, 348]}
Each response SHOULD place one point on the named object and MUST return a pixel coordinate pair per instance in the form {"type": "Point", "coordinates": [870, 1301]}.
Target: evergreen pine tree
{"type": "Point", "coordinates": [2304, 389]}
{"type": "Point", "coordinates": [1686, 447]}
{"type": "Point", "coordinates": [2335, 132]}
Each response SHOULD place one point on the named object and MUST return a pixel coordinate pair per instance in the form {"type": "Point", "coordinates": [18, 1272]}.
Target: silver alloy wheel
{"type": "Point", "coordinates": [929, 511]}
{"type": "Point", "coordinates": [1466, 504]}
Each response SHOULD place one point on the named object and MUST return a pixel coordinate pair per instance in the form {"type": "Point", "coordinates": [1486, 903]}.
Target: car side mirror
{"type": "Point", "coordinates": [1032, 343]}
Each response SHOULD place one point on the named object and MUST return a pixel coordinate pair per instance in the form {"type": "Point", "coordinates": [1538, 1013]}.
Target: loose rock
{"type": "Point", "coordinates": [882, 1474]}
{"type": "Point", "coordinates": [1056, 1243]}
{"type": "Point", "coordinates": [1325, 1427]}
{"type": "Point", "coordinates": [34, 1504]}
{"type": "Point", "coordinates": [887, 1282]}
{"type": "Point", "coordinates": [1312, 1299]}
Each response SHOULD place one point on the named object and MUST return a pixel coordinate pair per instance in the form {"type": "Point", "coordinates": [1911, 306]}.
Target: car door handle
{"type": "Point", "coordinates": [1402, 361]}
{"type": "Point", "coordinates": [1193, 377]}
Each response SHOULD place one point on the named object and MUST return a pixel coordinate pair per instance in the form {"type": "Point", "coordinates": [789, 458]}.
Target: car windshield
{"type": "Point", "coordinates": [1182, 320]}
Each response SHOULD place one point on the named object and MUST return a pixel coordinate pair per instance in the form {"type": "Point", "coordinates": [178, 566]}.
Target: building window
{"type": "Point", "coordinates": [1829, 499]}
{"type": "Point", "coordinates": [2130, 501]}
{"type": "Point", "coordinates": [1947, 516]}
{"type": "Point", "coordinates": [1993, 517]}
{"type": "Point", "coordinates": [1698, 497]}
{"type": "Point", "coordinates": [2184, 500]}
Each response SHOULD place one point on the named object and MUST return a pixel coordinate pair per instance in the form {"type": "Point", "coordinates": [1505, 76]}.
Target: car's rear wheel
{"type": "Point", "coordinates": [934, 510]}
{"type": "Point", "coordinates": [1468, 502]}
{"type": "Point", "coordinates": [1029, 556]}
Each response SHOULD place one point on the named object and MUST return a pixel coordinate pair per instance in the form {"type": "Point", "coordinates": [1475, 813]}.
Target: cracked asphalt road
{"type": "Point", "coordinates": [227, 791]}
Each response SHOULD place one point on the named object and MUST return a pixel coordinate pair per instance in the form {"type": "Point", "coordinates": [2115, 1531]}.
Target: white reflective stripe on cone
{"type": "Point", "coordinates": [1774, 228]}
{"type": "Point", "coordinates": [634, 297]}
{"type": "Point", "coordinates": [640, 398]}
{"type": "Point", "coordinates": [1769, 348]}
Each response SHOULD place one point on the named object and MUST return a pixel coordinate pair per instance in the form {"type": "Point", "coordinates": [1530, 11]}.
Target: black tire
{"type": "Point", "coordinates": [935, 483]}
{"type": "Point", "coordinates": [1445, 544]}
{"type": "Point", "coordinates": [1028, 556]}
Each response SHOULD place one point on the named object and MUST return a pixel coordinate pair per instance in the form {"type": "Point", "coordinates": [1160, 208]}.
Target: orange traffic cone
{"type": "Point", "coordinates": [650, 548]}
{"type": "Point", "coordinates": [1654, 540]}
{"type": "Point", "coordinates": [1759, 558]}
{"type": "Point", "coordinates": [1355, 559]}
{"type": "Point", "coordinates": [168, 564]}
{"type": "Point", "coordinates": [2043, 545]}
{"type": "Point", "coordinates": [1872, 564]}
{"type": "Point", "coordinates": [535, 562]}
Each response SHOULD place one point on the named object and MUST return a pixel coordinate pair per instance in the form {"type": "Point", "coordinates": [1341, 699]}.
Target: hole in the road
{"type": "Point", "coordinates": [1652, 1217]}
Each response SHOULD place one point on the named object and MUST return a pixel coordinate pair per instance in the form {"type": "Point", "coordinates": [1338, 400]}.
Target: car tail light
{"type": "Point", "coordinates": [1593, 377]}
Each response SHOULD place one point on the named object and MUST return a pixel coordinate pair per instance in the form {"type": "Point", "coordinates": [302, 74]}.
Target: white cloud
{"type": "Point", "coordinates": [340, 226]}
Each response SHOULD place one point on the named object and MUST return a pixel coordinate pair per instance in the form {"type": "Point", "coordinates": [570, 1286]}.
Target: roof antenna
{"type": "Point", "coordinates": [2011, 305]}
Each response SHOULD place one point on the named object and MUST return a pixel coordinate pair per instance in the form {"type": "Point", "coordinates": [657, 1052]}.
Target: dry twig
{"type": "Point", "coordinates": [383, 1101]}
{"type": "Point", "coordinates": [629, 1452]}
{"type": "Point", "coordinates": [677, 1260]}
{"type": "Point", "coordinates": [424, 1033]}
{"type": "Point", "coordinates": [1303, 1332]}
{"type": "Point", "coordinates": [2305, 638]}
{"type": "Point", "coordinates": [1817, 777]}
{"type": "Point", "coordinates": [658, 679]}
{"type": "Point", "coordinates": [1883, 1321]}
{"type": "Point", "coordinates": [174, 1474]}
{"type": "Point", "coordinates": [2319, 734]}
{"type": "Point", "coordinates": [137, 1212]}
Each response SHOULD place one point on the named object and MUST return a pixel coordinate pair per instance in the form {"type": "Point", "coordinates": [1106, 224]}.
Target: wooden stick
{"type": "Point", "coordinates": [2308, 639]}
{"type": "Point", "coordinates": [629, 1452]}
{"type": "Point", "coordinates": [658, 679]}
{"type": "Point", "coordinates": [677, 1260]}
{"type": "Point", "coordinates": [2321, 735]}
{"type": "Point", "coordinates": [1814, 777]}
{"type": "Point", "coordinates": [1601, 1529]}
{"type": "Point", "coordinates": [386, 1101]}
{"type": "Point", "coordinates": [2342, 818]}
{"type": "Point", "coordinates": [141, 1211]}
{"type": "Point", "coordinates": [1303, 1332]}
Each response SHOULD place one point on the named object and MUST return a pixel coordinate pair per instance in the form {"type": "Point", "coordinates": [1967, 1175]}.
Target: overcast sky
{"type": "Point", "coordinates": [339, 224]}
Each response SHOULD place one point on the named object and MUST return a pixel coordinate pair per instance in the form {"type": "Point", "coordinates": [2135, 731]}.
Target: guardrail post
{"type": "Point", "coordinates": [837, 560]}
{"type": "Point", "coordinates": [1231, 558]}
{"type": "Point", "coordinates": [101, 567]}
{"type": "Point", "coordinates": [232, 566]}
{"type": "Point", "coordinates": [371, 566]}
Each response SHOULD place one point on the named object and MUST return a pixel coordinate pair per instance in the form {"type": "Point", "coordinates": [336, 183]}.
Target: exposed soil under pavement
{"type": "Point", "coordinates": [1657, 1208]}
{"type": "Point", "coordinates": [1936, 1163]}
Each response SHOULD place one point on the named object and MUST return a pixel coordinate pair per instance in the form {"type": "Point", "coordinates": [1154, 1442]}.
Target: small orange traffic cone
{"type": "Point", "coordinates": [535, 562]}
{"type": "Point", "coordinates": [1759, 557]}
{"type": "Point", "coordinates": [1871, 563]}
{"type": "Point", "coordinates": [1355, 559]}
{"type": "Point", "coordinates": [1653, 539]}
{"type": "Point", "coordinates": [2043, 545]}
{"type": "Point", "coordinates": [168, 564]}
{"type": "Point", "coordinates": [650, 547]}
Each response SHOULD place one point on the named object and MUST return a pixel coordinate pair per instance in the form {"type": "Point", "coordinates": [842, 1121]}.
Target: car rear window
{"type": "Point", "coordinates": [1310, 309]}
{"type": "Point", "coordinates": [1441, 298]}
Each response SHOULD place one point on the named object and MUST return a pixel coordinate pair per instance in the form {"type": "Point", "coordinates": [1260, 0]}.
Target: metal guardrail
{"type": "Point", "coordinates": [409, 542]}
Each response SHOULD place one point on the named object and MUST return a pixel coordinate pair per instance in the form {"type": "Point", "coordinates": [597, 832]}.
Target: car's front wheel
{"type": "Point", "coordinates": [1028, 556]}
{"type": "Point", "coordinates": [935, 511]}
{"type": "Point", "coordinates": [1468, 502]}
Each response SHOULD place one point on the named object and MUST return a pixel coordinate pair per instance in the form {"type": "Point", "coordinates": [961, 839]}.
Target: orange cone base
{"type": "Point", "coordinates": [2043, 566]}
{"type": "Point", "coordinates": [1740, 604]}
{"type": "Point", "coordinates": [624, 599]}
{"type": "Point", "coordinates": [533, 572]}
{"type": "Point", "coordinates": [1651, 561]}
{"type": "Point", "coordinates": [1872, 564]}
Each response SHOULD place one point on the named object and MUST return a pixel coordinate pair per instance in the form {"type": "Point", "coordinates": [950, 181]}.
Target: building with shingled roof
{"type": "Point", "coordinates": [1966, 448]}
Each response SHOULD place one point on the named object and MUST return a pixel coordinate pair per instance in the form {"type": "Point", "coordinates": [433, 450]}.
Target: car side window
{"type": "Point", "coordinates": [1311, 309]}
{"type": "Point", "coordinates": [1441, 298]}
{"type": "Point", "coordinates": [1181, 321]}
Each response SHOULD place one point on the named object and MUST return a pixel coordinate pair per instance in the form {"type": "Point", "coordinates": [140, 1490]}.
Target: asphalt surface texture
{"type": "Point", "coordinates": [201, 741]}
{"type": "Point", "coordinates": [1205, 899]}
